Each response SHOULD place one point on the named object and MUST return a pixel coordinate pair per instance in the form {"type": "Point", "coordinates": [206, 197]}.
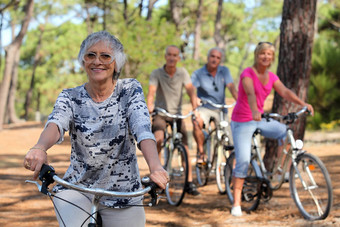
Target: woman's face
{"type": "Point", "coordinates": [97, 70]}
{"type": "Point", "coordinates": [265, 58]}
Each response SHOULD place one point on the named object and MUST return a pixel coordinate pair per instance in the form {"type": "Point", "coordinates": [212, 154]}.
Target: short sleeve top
{"type": "Point", "coordinates": [169, 89]}
{"type": "Point", "coordinates": [242, 111]}
{"type": "Point", "coordinates": [209, 87]}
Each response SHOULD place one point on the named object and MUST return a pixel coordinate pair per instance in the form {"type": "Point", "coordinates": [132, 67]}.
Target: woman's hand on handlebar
{"type": "Point", "coordinates": [310, 109]}
{"type": "Point", "coordinates": [160, 177]}
{"type": "Point", "coordinates": [34, 159]}
{"type": "Point", "coordinates": [256, 115]}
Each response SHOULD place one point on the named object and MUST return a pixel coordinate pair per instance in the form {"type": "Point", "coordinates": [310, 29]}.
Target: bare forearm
{"type": "Point", "coordinates": [48, 137]}
{"type": "Point", "coordinates": [291, 96]}
{"type": "Point", "coordinates": [252, 102]}
{"type": "Point", "coordinates": [233, 90]}
{"type": "Point", "coordinates": [149, 150]}
{"type": "Point", "coordinates": [157, 172]}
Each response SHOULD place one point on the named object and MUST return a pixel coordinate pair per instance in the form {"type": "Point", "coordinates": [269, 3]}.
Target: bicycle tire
{"type": "Point", "coordinates": [314, 203]}
{"type": "Point", "coordinates": [164, 153]}
{"type": "Point", "coordinates": [221, 162]}
{"type": "Point", "coordinates": [203, 169]}
{"type": "Point", "coordinates": [251, 191]}
{"type": "Point", "coordinates": [178, 171]}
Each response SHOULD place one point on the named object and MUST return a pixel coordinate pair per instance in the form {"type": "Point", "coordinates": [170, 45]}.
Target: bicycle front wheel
{"type": "Point", "coordinates": [310, 187]}
{"type": "Point", "coordinates": [203, 169]}
{"type": "Point", "coordinates": [164, 154]}
{"type": "Point", "coordinates": [177, 168]}
{"type": "Point", "coordinates": [251, 191]}
{"type": "Point", "coordinates": [221, 162]}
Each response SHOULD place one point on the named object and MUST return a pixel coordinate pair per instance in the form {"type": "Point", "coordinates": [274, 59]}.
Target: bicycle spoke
{"type": "Point", "coordinates": [311, 188]}
{"type": "Point", "coordinates": [178, 172]}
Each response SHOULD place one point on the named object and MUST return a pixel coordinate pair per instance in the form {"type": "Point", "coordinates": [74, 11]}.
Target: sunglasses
{"type": "Point", "coordinates": [269, 43]}
{"type": "Point", "coordinates": [104, 58]}
{"type": "Point", "coordinates": [215, 87]}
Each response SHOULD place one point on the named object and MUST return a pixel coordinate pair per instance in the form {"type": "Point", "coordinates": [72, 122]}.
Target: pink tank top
{"type": "Point", "coordinates": [242, 111]}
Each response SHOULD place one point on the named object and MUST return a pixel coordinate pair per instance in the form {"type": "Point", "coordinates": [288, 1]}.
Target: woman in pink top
{"type": "Point", "coordinates": [255, 85]}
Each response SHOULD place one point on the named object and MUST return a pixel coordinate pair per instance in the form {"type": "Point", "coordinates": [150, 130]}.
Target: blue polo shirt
{"type": "Point", "coordinates": [209, 87]}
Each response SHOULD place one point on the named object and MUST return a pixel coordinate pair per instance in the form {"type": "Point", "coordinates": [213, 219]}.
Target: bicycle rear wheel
{"type": "Point", "coordinates": [310, 187]}
{"type": "Point", "coordinates": [178, 171]}
{"type": "Point", "coordinates": [251, 191]}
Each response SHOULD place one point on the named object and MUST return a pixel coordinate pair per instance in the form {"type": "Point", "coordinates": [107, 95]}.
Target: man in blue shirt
{"type": "Point", "coordinates": [210, 81]}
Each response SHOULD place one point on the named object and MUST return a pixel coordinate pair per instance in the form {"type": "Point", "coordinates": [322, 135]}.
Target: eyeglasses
{"type": "Point", "coordinates": [269, 43]}
{"type": "Point", "coordinates": [215, 87]}
{"type": "Point", "coordinates": [104, 58]}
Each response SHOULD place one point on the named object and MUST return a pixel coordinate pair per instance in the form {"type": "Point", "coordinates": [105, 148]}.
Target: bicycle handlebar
{"type": "Point", "coordinates": [161, 111]}
{"type": "Point", "coordinates": [289, 118]}
{"type": "Point", "coordinates": [48, 176]}
{"type": "Point", "coordinates": [219, 106]}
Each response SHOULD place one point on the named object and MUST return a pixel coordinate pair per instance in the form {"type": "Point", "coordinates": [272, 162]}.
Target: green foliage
{"type": "Point", "coordinates": [58, 67]}
{"type": "Point", "coordinates": [324, 93]}
{"type": "Point", "coordinates": [243, 26]}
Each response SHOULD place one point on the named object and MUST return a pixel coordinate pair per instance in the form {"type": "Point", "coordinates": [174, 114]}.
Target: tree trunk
{"type": "Point", "coordinates": [12, 116]}
{"type": "Point", "coordinates": [176, 12]}
{"type": "Point", "coordinates": [36, 61]}
{"type": "Point", "coordinates": [11, 51]}
{"type": "Point", "coordinates": [150, 8]}
{"type": "Point", "coordinates": [197, 33]}
{"type": "Point", "coordinates": [217, 34]}
{"type": "Point", "coordinates": [294, 66]}
{"type": "Point", "coordinates": [105, 14]}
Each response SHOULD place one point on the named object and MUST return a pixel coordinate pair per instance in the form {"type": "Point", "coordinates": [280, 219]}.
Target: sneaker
{"type": "Point", "coordinates": [191, 189]}
{"type": "Point", "coordinates": [236, 211]}
{"type": "Point", "coordinates": [286, 176]}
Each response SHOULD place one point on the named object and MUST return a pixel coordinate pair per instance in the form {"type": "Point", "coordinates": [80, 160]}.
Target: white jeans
{"type": "Point", "coordinates": [73, 216]}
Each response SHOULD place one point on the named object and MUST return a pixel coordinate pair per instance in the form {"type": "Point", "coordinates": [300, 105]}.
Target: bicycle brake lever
{"type": "Point", "coordinates": [46, 176]}
{"type": "Point", "coordinates": [153, 193]}
{"type": "Point", "coordinates": [34, 182]}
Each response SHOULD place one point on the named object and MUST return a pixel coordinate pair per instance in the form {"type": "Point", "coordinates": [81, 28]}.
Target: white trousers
{"type": "Point", "coordinates": [72, 216]}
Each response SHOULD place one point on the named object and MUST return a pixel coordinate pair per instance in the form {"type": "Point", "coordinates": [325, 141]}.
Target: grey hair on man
{"type": "Point", "coordinates": [219, 50]}
{"type": "Point", "coordinates": [112, 42]}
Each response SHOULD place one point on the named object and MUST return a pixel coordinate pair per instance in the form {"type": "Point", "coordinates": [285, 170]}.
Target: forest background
{"type": "Point", "coordinates": [44, 38]}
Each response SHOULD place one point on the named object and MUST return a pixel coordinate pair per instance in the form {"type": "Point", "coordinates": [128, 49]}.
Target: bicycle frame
{"type": "Point", "coordinates": [309, 182]}
{"type": "Point", "coordinates": [221, 128]}
{"type": "Point", "coordinates": [290, 155]}
{"type": "Point", "coordinates": [174, 137]}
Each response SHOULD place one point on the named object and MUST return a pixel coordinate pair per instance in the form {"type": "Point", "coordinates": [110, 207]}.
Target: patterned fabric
{"type": "Point", "coordinates": [103, 152]}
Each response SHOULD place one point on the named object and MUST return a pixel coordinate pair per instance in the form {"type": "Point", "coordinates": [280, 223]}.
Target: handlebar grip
{"type": "Point", "coordinates": [46, 176]}
{"type": "Point", "coordinates": [146, 181]}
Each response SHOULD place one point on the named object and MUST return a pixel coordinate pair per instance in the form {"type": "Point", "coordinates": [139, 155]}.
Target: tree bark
{"type": "Point", "coordinates": [176, 12]}
{"type": "Point", "coordinates": [12, 116]}
{"type": "Point", "coordinates": [197, 33]}
{"type": "Point", "coordinates": [36, 61]}
{"type": "Point", "coordinates": [218, 26]}
{"type": "Point", "coordinates": [11, 52]}
{"type": "Point", "coordinates": [150, 8]}
{"type": "Point", "coordinates": [294, 66]}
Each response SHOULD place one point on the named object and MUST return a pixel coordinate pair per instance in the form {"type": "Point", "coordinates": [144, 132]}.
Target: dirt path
{"type": "Point", "coordinates": [22, 205]}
